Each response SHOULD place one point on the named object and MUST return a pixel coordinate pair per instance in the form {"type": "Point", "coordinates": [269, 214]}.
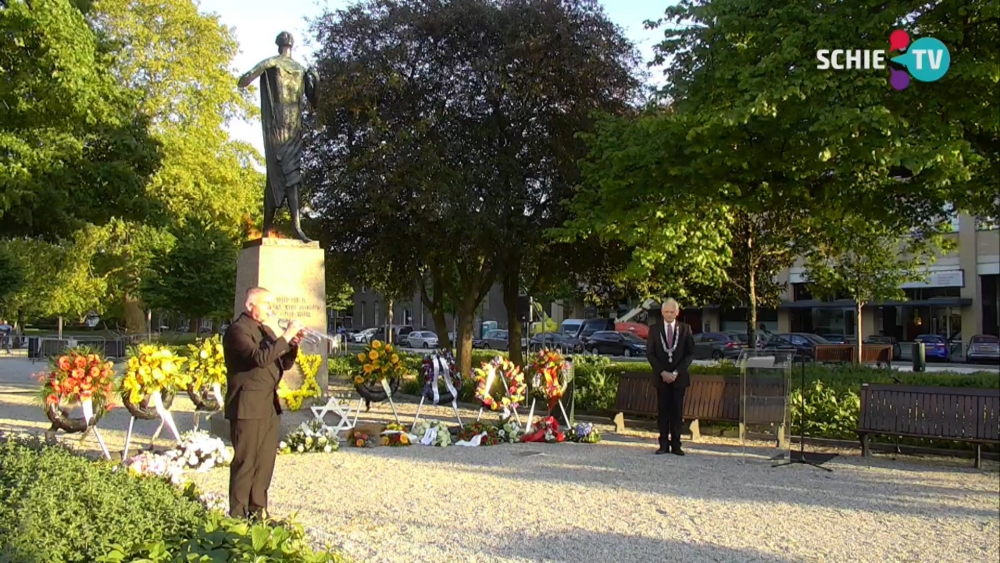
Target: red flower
{"type": "Point", "coordinates": [80, 362]}
{"type": "Point", "coordinates": [64, 363]}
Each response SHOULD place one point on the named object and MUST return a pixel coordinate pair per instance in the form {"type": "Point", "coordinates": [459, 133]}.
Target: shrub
{"type": "Point", "coordinates": [62, 507]}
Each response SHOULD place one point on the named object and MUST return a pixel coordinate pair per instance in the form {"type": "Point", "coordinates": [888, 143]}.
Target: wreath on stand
{"type": "Point", "coordinates": [80, 376]}
{"type": "Point", "coordinates": [548, 376]}
{"type": "Point", "coordinates": [206, 365]}
{"type": "Point", "coordinates": [439, 368]}
{"type": "Point", "coordinates": [378, 361]}
{"type": "Point", "coordinates": [492, 377]}
{"type": "Point", "coordinates": [309, 365]}
{"type": "Point", "coordinates": [152, 369]}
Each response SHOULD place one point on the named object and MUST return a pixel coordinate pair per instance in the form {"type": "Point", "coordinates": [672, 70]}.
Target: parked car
{"type": "Point", "coordinates": [555, 340]}
{"type": "Point", "coordinates": [718, 345]}
{"type": "Point", "coordinates": [421, 339]}
{"type": "Point", "coordinates": [803, 344]}
{"type": "Point", "coordinates": [398, 333]}
{"type": "Point", "coordinates": [616, 343]}
{"type": "Point", "coordinates": [363, 336]}
{"type": "Point", "coordinates": [897, 350]}
{"type": "Point", "coordinates": [983, 348]}
{"type": "Point", "coordinates": [934, 346]}
{"type": "Point", "coordinates": [592, 326]}
{"type": "Point", "coordinates": [497, 340]}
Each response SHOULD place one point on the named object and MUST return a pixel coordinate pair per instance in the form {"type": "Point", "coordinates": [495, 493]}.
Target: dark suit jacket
{"type": "Point", "coordinates": [683, 354]}
{"type": "Point", "coordinates": [255, 362]}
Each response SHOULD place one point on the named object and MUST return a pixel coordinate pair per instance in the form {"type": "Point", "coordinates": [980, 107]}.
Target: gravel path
{"type": "Point", "coordinates": [610, 502]}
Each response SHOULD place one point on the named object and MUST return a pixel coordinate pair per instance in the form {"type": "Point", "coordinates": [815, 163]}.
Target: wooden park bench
{"type": "Point", "coordinates": [947, 413]}
{"type": "Point", "coordinates": [710, 398]}
{"type": "Point", "coordinates": [878, 354]}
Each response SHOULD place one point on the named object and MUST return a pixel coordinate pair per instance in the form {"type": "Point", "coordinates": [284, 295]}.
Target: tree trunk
{"type": "Point", "coordinates": [464, 317]}
{"type": "Point", "coordinates": [752, 310]}
{"type": "Point", "coordinates": [434, 301]}
{"type": "Point", "coordinates": [59, 336]}
{"type": "Point", "coordinates": [858, 331]}
{"type": "Point", "coordinates": [511, 292]}
{"type": "Point", "coordinates": [194, 326]}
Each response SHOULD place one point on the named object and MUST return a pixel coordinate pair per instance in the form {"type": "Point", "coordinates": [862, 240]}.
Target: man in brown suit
{"type": "Point", "coordinates": [255, 362]}
{"type": "Point", "coordinates": [670, 349]}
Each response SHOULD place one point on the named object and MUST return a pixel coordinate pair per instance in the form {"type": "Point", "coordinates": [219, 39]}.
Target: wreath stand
{"type": "Point", "coordinates": [506, 390]}
{"type": "Point", "coordinates": [165, 418]}
{"type": "Point", "coordinates": [441, 369]}
{"type": "Point", "coordinates": [201, 406]}
{"type": "Point", "coordinates": [388, 395]}
{"type": "Point", "coordinates": [333, 406]}
{"type": "Point", "coordinates": [531, 414]}
{"type": "Point", "coordinates": [88, 414]}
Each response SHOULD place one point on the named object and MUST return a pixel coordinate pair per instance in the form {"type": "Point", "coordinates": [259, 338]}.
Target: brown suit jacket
{"type": "Point", "coordinates": [683, 354]}
{"type": "Point", "coordinates": [255, 361]}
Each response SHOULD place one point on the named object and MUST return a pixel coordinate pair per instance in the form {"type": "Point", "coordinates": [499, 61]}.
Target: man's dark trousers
{"type": "Point", "coordinates": [670, 406]}
{"type": "Point", "coordinates": [255, 445]}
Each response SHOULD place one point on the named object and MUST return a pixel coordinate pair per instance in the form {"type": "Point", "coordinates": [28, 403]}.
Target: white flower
{"type": "Point", "coordinates": [327, 448]}
{"type": "Point", "coordinates": [300, 448]}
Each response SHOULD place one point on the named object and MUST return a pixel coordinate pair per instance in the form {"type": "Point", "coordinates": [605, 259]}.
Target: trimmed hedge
{"type": "Point", "coordinates": [58, 506]}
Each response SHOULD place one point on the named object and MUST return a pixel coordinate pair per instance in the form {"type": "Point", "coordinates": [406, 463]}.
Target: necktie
{"type": "Point", "coordinates": [670, 335]}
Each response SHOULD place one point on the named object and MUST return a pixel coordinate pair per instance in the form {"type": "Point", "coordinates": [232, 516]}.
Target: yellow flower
{"type": "Point", "coordinates": [395, 359]}
{"type": "Point", "coordinates": [373, 355]}
{"type": "Point", "coordinates": [358, 380]}
{"type": "Point", "coordinates": [361, 357]}
{"type": "Point", "coordinates": [367, 368]}
{"type": "Point", "coordinates": [403, 439]}
{"type": "Point", "coordinates": [388, 347]}
{"type": "Point", "coordinates": [376, 344]}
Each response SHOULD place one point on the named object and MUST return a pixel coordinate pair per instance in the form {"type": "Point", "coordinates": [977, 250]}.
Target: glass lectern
{"type": "Point", "coordinates": [765, 391]}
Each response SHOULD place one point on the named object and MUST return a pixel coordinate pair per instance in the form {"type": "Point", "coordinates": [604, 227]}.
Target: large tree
{"type": "Point", "coordinates": [73, 148]}
{"type": "Point", "coordinates": [450, 124]}
{"type": "Point", "coordinates": [179, 63]}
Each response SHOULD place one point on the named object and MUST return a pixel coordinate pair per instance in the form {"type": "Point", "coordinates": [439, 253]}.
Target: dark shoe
{"type": "Point", "coordinates": [678, 451]}
{"type": "Point", "coordinates": [662, 451]}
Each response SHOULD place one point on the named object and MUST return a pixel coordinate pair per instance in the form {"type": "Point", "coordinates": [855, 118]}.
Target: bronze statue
{"type": "Point", "coordinates": [282, 85]}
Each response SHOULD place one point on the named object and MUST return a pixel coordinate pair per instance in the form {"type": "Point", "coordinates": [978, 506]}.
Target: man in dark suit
{"type": "Point", "coordinates": [255, 362]}
{"type": "Point", "coordinates": [670, 349]}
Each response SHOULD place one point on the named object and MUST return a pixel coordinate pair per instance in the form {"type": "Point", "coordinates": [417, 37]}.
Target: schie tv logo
{"type": "Point", "coordinates": [927, 59]}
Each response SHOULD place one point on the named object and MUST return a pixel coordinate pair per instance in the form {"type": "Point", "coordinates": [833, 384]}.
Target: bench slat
{"type": "Point", "coordinates": [933, 412]}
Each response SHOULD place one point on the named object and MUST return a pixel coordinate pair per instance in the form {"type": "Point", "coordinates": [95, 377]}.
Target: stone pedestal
{"type": "Point", "coordinates": [295, 272]}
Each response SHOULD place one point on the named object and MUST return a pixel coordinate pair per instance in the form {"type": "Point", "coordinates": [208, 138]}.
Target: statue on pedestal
{"type": "Point", "coordinates": [283, 84]}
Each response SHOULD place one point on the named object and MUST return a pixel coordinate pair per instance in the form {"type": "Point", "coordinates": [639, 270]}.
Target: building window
{"type": "Point", "coordinates": [362, 313]}
{"type": "Point", "coordinates": [407, 317]}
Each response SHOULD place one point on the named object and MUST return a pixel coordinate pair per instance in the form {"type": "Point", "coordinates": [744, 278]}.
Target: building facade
{"type": "Point", "coordinates": [960, 298]}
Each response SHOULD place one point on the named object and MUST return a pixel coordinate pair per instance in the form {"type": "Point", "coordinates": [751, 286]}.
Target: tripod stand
{"type": "Point", "coordinates": [817, 460]}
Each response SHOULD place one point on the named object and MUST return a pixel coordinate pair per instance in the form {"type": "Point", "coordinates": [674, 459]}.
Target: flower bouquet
{"type": "Point", "coordinates": [378, 366]}
{"type": "Point", "coordinates": [547, 431]}
{"type": "Point", "coordinates": [152, 370]}
{"type": "Point", "coordinates": [199, 451]}
{"type": "Point", "coordinates": [206, 366]}
{"type": "Point", "coordinates": [510, 431]}
{"type": "Point", "coordinates": [395, 435]}
{"type": "Point", "coordinates": [489, 432]}
{"type": "Point", "coordinates": [361, 440]}
{"type": "Point", "coordinates": [432, 433]}
{"type": "Point", "coordinates": [547, 381]}
{"type": "Point", "coordinates": [158, 465]}
{"type": "Point", "coordinates": [310, 436]}
{"type": "Point", "coordinates": [440, 369]}
{"type": "Point", "coordinates": [584, 433]}
{"type": "Point", "coordinates": [486, 377]}
{"type": "Point", "coordinates": [79, 376]}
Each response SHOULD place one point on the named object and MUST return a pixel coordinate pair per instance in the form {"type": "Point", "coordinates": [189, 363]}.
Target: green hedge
{"type": "Point", "coordinates": [58, 506]}
{"type": "Point", "coordinates": [833, 403]}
